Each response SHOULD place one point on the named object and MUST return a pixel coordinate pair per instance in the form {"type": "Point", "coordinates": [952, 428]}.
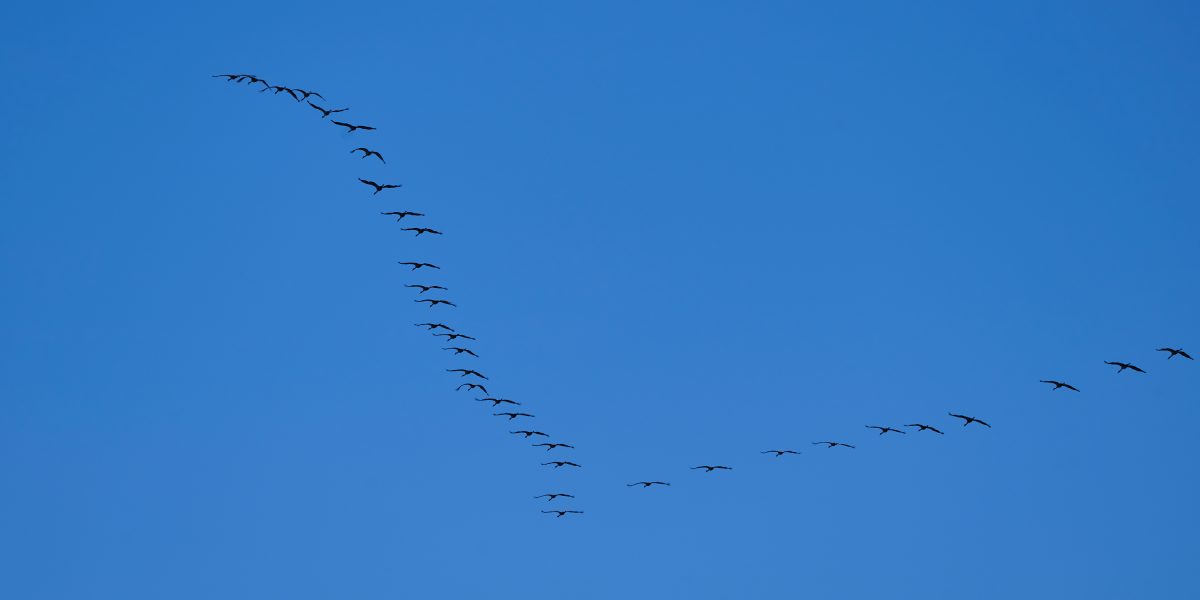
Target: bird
{"type": "Point", "coordinates": [550, 497]}
{"type": "Point", "coordinates": [559, 463]}
{"type": "Point", "coordinates": [367, 153]}
{"type": "Point", "coordinates": [351, 128]}
{"type": "Point", "coordinates": [498, 401]}
{"type": "Point", "coordinates": [458, 351]}
{"type": "Point", "coordinates": [883, 430]}
{"type": "Point", "coordinates": [471, 386]}
{"type": "Point", "coordinates": [230, 77]}
{"type": "Point", "coordinates": [512, 415]}
{"type": "Point", "coordinates": [968, 420]}
{"type": "Point", "coordinates": [550, 446]}
{"type": "Point", "coordinates": [1123, 366]}
{"type": "Point", "coordinates": [779, 453]}
{"type": "Point", "coordinates": [466, 372]}
{"type": "Point", "coordinates": [1059, 384]}
{"type": "Point", "coordinates": [527, 434]}
{"type": "Point", "coordinates": [280, 88]}
{"type": "Point", "coordinates": [832, 444]}
{"type": "Point", "coordinates": [711, 468]}
{"type": "Point", "coordinates": [251, 80]}
{"type": "Point", "coordinates": [924, 427]}
{"type": "Point", "coordinates": [308, 93]}
{"type": "Point", "coordinates": [433, 303]}
{"type": "Point", "coordinates": [404, 213]}
{"type": "Point", "coordinates": [379, 187]}
{"type": "Point", "coordinates": [450, 337]}
{"type": "Point", "coordinates": [421, 230]}
{"type": "Point", "coordinates": [1175, 351]}
{"type": "Point", "coordinates": [563, 512]}
{"type": "Point", "coordinates": [425, 288]}
{"type": "Point", "coordinates": [418, 265]}
{"type": "Point", "coordinates": [433, 326]}
{"type": "Point", "coordinates": [325, 112]}
{"type": "Point", "coordinates": [646, 484]}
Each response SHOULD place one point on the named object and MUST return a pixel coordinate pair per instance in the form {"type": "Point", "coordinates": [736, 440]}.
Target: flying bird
{"type": "Point", "coordinates": [924, 427]}
{"type": "Point", "coordinates": [230, 77]}
{"type": "Point", "coordinates": [883, 430]}
{"type": "Point", "coordinates": [450, 337]}
{"type": "Point", "coordinates": [418, 265]}
{"type": "Point", "coordinates": [280, 88]}
{"type": "Point", "coordinates": [325, 112]}
{"type": "Point", "coordinates": [563, 512]}
{"type": "Point", "coordinates": [550, 497]}
{"type": "Point", "coordinates": [379, 187]}
{"type": "Point", "coordinates": [550, 446]}
{"type": "Point", "coordinates": [529, 433]}
{"type": "Point", "coordinates": [779, 453]}
{"type": "Point", "coordinates": [458, 351]}
{"type": "Point", "coordinates": [433, 326]}
{"type": "Point", "coordinates": [711, 468]}
{"type": "Point", "coordinates": [421, 230]}
{"type": "Point", "coordinates": [471, 386]}
{"type": "Point", "coordinates": [968, 420]}
{"type": "Point", "coordinates": [559, 463]}
{"type": "Point", "coordinates": [367, 153]}
{"type": "Point", "coordinates": [466, 372]}
{"type": "Point", "coordinates": [646, 484]}
{"type": "Point", "coordinates": [433, 303]}
{"type": "Point", "coordinates": [351, 128]}
{"type": "Point", "coordinates": [1059, 384]}
{"type": "Point", "coordinates": [832, 444]}
{"type": "Point", "coordinates": [1123, 366]}
{"type": "Point", "coordinates": [424, 288]}
{"type": "Point", "coordinates": [511, 415]}
{"type": "Point", "coordinates": [1175, 351]}
{"type": "Point", "coordinates": [308, 93]}
{"type": "Point", "coordinates": [498, 401]}
{"type": "Point", "coordinates": [401, 214]}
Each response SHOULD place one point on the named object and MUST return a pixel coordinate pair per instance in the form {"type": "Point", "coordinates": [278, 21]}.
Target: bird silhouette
{"type": "Point", "coordinates": [367, 153]}
{"type": "Point", "coordinates": [498, 401]}
{"type": "Point", "coordinates": [550, 446]}
{"type": "Point", "coordinates": [1175, 351]}
{"type": "Point", "coordinates": [883, 430]}
{"type": "Point", "coordinates": [251, 80]}
{"type": "Point", "coordinates": [832, 444]}
{"type": "Point", "coordinates": [711, 468]}
{"type": "Point", "coordinates": [280, 88]}
{"type": "Point", "coordinates": [421, 230]}
{"type": "Point", "coordinates": [924, 427]}
{"type": "Point", "coordinates": [511, 415]}
{"type": "Point", "coordinates": [550, 497]}
{"type": "Point", "coordinates": [527, 434]}
{"type": "Point", "coordinates": [563, 512]}
{"type": "Point", "coordinates": [646, 484]}
{"type": "Point", "coordinates": [559, 463]}
{"type": "Point", "coordinates": [1059, 384]}
{"type": "Point", "coordinates": [352, 128]}
{"type": "Point", "coordinates": [325, 112]}
{"type": "Point", "coordinates": [418, 265]}
{"type": "Point", "coordinates": [230, 78]}
{"type": "Point", "coordinates": [425, 288]}
{"type": "Point", "coordinates": [472, 386]}
{"type": "Point", "coordinates": [307, 93]}
{"type": "Point", "coordinates": [968, 420]}
{"type": "Point", "coordinates": [779, 453]}
{"type": "Point", "coordinates": [433, 326]}
{"type": "Point", "coordinates": [458, 351]}
{"type": "Point", "coordinates": [379, 187]}
{"type": "Point", "coordinates": [433, 303]}
{"type": "Point", "coordinates": [1122, 366]}
{"type": "Point", "coordinates": [466, 372]}
{"type": "Point", "coordinates": [404, 213]}
{"type": "Point", "coordinates": [450, 337]}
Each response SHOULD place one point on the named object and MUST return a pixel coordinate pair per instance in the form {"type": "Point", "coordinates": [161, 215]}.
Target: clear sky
{"type": "Point", "coordinates": [682, 232]}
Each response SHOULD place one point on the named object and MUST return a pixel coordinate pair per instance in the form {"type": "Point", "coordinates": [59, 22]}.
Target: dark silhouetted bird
{"type": "Point", "coordinates": [1122, 366]}
{"type": "Point", "coordinates": [511, 415]}
{"type": "Point", "coordinates": [280, 88]}
{"type": "Point", "coordinates": [711, 468]}
{"type": "Point", "coordinates": [433, 326]}
{"type": "Point", "coordinates": [1175, 351]}
{"type": "Point", "coordinates": [424, 288]}
{"type": "Point", "coordinates": [968, 420]}
{"type": "Point", "coordinates": [325, 112]}
{"type": "Point", "coordinates": [779, 453]}
{"type": "Point", "coordinates": [367, 153]}
{"type": "Point", "coordinates": [559, 463]}
{"type": "Point", "coordinates": [230, 78]}
{"type": "Point", "coordinates": [472, 386]}
{"type": "Point", "coordinates": [307, 93]}
{"type": "Point", "coordinates": [883, 430]}
{"type": "Point", "coordinates": [421, 230]}
{"type": "Point", "coordinates": [527, 434]}
{"type": "Point", "coordinates": [351, 128]}
{"type": "Point", "coordinates": [563, 512]}
{"type": "Point", "coordinates": [379, 187]}
{"type": "Point", "coordinates": [404, 213]}
{"type": "Point", "coordinates": [646, 484]}
{"type": "Point", "coordinates": [433, 303]}
{"type": "Point", "coordinates": [418, 265]}
{"type": "Point", "coordinates": [550, 446]}
{"type": "Point", "coordinates": [832, 444]}
{"type": "Point", "coordinates": [458, 351]}
{"type": "Point", "coordinates": [450, 337]}
{"type": "Point", "coordinates": [498, 401]}
{"type": "Point", "coordinates": [550, 497]}
{"type": "Point", "coordinates": [251, 80]}
{"type": "Point", "coordinates": [466, 372]}
{"type": "Point", "coordinates": [924, 427]}
{"type": "Point", "coordinates": [1059, 384]}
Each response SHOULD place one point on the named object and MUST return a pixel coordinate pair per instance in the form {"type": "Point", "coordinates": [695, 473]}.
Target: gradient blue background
{"type": "Point", "coordinates": [683, 232]}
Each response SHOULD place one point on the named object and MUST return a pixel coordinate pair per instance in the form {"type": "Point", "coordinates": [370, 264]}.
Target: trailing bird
{"type": "Point", "coordinates": [1059, 384]}
{"type": "Point", "coordinates": [529, 433]}
{"type": "Point", "coordinates": [421, 230]}
{"type": "Point", "coordinates": [251, 80]}
{"type": "Point", "coordinates": [883, 430]}
{"type": "Point", "coordinates": [325, 112]}
{"type": "Point", "coordinates": [308, 93]}
{"type": "Point", "coordinates": [458, 351]}
{"type": "Point", "coordinates": [433, 303]}
{"type": "Point", "coordinates": [230, 77]}
{"type": "Point", "coordinates": [379, 187]}
{"type": "Point", "coordinates": [1123, 366]}
{"type": "Point", "coordinates": [1175, 351]}
{"type": "Point", "coordinates": [418, 265]}
{"type": "Point", "coordinates": [367, 153]}
{"type": "Point", "coordinates": [563, 512]}
{"type": "Point", "coordinates": [924, 427]}
{"type": "Point", "coordinates": [646, 484]}
{"type": "Point", "coordinates": [424, 288]}
{"type": "Point", "coordinates": [351, 128]}
{"type": "Point", "coordinates": [280, 88]}
{"type": "Point", "coordinates": [471, 386]}
{"type": "Point", "coordinates": [968, 420]}
{"type": "Point", "coordinates": [511, 415]}
{"type": "Point", "coordinates": [711, 468]}
{"type": "Point", "coordinates": [433, 326]}
{"type": "Point", "coordinates": [404, 213]}
{"type": "Point", "coordinates": [498, 401]}
{"type": "Point", "coordinates": [450, 337]}
{"type": "Point", "coordinates": [466, 372]}
{"type": "Point", "coordinates": [832, 444]}
{"type": "Point", "coordinates": [559, 463]}
{"type": "Point", "coordinates": [550, 497]}
{"type": "Point", "coordinates": [550, 446]}
{"type": "Point", "coordinates": [779, 453]}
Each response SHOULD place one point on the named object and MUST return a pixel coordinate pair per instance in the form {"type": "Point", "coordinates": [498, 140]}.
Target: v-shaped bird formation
{"type": "Point", "coordinates": [434, 306]}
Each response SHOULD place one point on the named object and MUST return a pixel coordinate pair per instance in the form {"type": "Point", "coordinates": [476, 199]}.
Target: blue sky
{"type": "Point", "coordinates": [683, 233]}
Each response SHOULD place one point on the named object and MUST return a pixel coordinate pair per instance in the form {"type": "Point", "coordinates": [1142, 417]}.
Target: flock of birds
{"type": "Point", "coordinates": [438, 329]}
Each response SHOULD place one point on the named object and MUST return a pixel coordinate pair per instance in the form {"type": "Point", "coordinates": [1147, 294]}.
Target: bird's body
{"type": "Point", "coordinates": [433, 326]}
{"type": "Point", "coordinates": [307, 93]}
{"type": "Point", "coordinates": [420, 265]}
{"type": "Point", "coordinates": [550, 446]}
{"type": "Point", "coordinates": [379, 187]}
{"type": "Point", "coordinates": [528, 434]}
{"type": "Point", "coordinates": [498, 401]}
{"type": "Point", "coordinates": [550, 497]}
{"type": "Point", "coordinates": [471, 387]}
{"type": "Point", "coordinates": [1122, 366]}
{"type": "Point", "coordinates": [832, 444]}
{"type": "Point", "coordinates": [560, 463]}
{"type": "Point", "coordinates": [924, 427]}
{"type": "Point", "coordinates": [968, 420]}
{"type": "Point", "coordinates": [646, 484]}
{"type": "Point", "coordinates": [400, 214]}
{"type": "Point", "coordinates": [779, 453]}
{"type": "Point", "coordinates": [433, 303]}
{"type": "Point", "coordinates": [511, 415]}
{"type": "Point", "coordinates": [466, 372]}
{"type": "Point", "coordinates": [367, 153]}
{"type": "Point", "coordinates": [1176, 351]}
{"type": "Point", "coordinates": [421, 230]}
{"type": "Point", "coordinates": [352, 128]}
{"type": "Point", "coordinates": [280, 88]}
{"type": "Point", "coordinates": [711, 468]}
{"type": "Point", "coordinates": [563, 512]}
{"type": "Point", "coordinates": [425, 288]}
{"type": "Point", "coordinates": [325, 112]}
{"type": "Point", "coordinates": [883, 430]}
{"type": "Point", "coordinates": [1059, 384]}
{"type": "Point", "coordinates": [450, 337]}
{"type": "Point", "coordinates": [458, 351]}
